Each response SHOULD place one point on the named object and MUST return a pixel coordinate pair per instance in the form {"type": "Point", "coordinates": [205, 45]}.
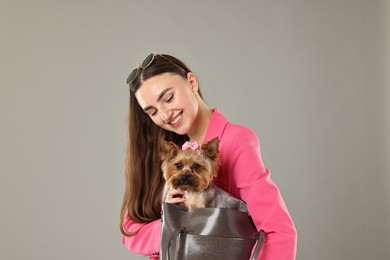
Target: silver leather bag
{"type": "Point", "coordinates": [208, 234]}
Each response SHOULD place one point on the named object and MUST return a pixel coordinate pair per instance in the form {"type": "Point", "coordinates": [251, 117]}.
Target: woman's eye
{"type": "Point", "coordinates": [153, 113]}
{"type": "Point", "coordinates": [170, 98]}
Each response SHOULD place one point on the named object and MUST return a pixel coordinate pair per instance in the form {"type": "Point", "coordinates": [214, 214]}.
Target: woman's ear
{"type": "Point", "coordinates": [193, 82]}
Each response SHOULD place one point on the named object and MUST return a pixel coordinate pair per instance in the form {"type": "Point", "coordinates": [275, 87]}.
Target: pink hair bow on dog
{"type": "Point", "coordinates": [190, 145]}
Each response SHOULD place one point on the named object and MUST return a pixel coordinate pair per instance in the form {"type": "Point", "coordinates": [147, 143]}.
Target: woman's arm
{"type": "Point", "coordinates": [146, 241]}
{"type": "Point", "coordinates": [251, 181]}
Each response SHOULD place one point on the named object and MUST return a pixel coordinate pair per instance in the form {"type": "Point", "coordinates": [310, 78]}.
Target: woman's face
{"type": "Point", "coordinates": [170, 101]}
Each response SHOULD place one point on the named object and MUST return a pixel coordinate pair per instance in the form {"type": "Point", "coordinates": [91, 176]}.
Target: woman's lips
{"type": "Point", "coordinates": [176, 120]}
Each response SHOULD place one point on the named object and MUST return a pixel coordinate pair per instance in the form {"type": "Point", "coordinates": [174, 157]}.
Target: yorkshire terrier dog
{"type": "Point", "coordinates": [192, 170]}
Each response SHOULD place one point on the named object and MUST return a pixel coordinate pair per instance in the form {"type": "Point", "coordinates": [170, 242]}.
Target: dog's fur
{"type": "Point", "coordinates": [193, 171]}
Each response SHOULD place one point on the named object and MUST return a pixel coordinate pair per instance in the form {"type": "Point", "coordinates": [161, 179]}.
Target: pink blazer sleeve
{"type": "Point", "coordinates": [251, 181]}
{"type": "Point", "coordinates": [147, 241]}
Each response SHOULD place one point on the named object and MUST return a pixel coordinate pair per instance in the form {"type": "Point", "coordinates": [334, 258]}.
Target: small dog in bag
{"type": "Point", "coordinates": [192, 169]}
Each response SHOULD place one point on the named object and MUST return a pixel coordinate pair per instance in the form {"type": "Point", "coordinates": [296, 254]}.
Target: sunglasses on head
{"type": "Point", "coordinates": [146, 63]}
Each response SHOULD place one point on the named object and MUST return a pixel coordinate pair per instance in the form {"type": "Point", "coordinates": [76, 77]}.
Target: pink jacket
{"type": "Point", "coordinates": [243, 175]}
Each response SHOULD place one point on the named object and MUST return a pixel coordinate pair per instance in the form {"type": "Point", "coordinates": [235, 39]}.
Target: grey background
{"type": "Point", "coordinates": [311, 78]}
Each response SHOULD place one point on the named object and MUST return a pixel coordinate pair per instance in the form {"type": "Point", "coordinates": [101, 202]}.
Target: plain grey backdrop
{"type": "Point", "coordinates": [311, 78]}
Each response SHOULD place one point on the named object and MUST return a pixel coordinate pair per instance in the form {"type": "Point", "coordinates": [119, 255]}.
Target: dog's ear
{"type": "Point", "coordinates": [168, 149]}
{"type": "Point", "coordinates": [211, 148]}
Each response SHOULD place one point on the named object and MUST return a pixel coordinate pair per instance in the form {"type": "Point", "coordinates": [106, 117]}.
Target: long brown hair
{"type": "Point", "coordinates": [144, 182]}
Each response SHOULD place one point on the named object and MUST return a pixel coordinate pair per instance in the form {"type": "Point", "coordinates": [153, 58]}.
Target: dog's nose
{"type": "Point", "coordinates": [184, 179]}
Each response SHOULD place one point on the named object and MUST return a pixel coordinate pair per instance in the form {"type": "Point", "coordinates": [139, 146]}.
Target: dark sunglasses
{"type": "Point", "coordinates": [146, 63]}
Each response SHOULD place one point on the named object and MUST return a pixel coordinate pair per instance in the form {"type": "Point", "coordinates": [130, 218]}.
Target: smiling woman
{"type": "Point", "coordinates": [166, 104]}
{"type": "Point", "coordinates": [173, 103]}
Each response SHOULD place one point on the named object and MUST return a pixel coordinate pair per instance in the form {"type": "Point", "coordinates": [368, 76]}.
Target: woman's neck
{"type": "Point", "coordinates": [201, 123]}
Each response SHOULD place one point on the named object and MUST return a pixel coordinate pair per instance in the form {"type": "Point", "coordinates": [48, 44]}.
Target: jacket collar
{"type": "Point", "coordinates": [216, 126]}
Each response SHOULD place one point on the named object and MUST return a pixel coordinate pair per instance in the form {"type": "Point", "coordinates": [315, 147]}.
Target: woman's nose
{"type": "Point", "coordinates": [165, 115]}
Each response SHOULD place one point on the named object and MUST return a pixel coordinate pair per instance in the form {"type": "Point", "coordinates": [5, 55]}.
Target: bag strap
{"type": "Point", "coordinates": [173, 236]}
{"type": "Point", "coordinates": [260, 241]}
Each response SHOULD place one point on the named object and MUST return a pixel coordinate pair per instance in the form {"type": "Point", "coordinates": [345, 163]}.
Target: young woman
{"type": "Point", "coordinates": [166, 103]}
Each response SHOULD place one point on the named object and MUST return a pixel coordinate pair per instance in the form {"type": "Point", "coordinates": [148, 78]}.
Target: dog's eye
{"type": "Point", "coordinates": [196, 166]}
{"type": "Point", "coordinates": [178, 165]}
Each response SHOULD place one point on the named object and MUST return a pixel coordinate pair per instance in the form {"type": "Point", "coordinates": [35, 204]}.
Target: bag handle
{"type": "Point", "coordinates": [173, 235]}
{"type": "Point", "coordinates": [260, 241]}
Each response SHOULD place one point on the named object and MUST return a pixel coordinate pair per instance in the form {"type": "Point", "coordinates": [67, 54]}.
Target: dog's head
{"type": "Point", "coordinates": [191, 167]}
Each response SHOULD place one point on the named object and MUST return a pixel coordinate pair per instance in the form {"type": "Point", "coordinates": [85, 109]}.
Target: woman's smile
{"type": "Point", "coordinates": [176, 120]}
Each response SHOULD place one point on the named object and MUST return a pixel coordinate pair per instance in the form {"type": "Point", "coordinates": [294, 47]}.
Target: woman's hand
{"type": "Point", "coordinates": [175, 197]}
